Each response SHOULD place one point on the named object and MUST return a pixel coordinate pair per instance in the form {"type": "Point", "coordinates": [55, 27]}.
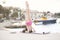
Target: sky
{"type": "Point", "coordinates": [40, 5]}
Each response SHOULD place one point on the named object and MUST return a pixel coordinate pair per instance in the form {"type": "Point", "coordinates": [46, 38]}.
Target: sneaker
{"type": "Point", "coordinates": [23, 31]}
{"type": "Point", "coordinates": [30, 31]}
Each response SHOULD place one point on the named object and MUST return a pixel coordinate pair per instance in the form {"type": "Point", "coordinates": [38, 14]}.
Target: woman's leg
{"type": "Point", "coordinates": [29, 28]}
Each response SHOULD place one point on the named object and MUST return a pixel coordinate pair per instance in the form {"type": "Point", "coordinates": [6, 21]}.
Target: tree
{"type": "Point", "coordinates": [4, 11]}
{"type": "Point", "coordinates": [1, 9]}
{"type": "Point", "coordinates": [57, 15]}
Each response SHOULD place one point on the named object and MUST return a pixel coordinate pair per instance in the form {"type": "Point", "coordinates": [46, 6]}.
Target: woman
{"type": "Point", "coordinates": [28, 19]}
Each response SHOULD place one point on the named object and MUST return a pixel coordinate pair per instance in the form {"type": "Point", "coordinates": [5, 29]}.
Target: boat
{"type": "Point", "coordinates": [45, 21]}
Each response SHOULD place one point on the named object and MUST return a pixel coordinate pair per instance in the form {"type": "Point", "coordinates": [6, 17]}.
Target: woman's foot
{"type": "Point", "coordinates": [24, 30]}
{"type": "Point", "coordinates": [30, 31]}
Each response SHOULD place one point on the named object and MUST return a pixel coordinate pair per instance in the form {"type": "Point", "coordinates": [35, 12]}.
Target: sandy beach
{"type": "Point", "coordinates": [8, 35]}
